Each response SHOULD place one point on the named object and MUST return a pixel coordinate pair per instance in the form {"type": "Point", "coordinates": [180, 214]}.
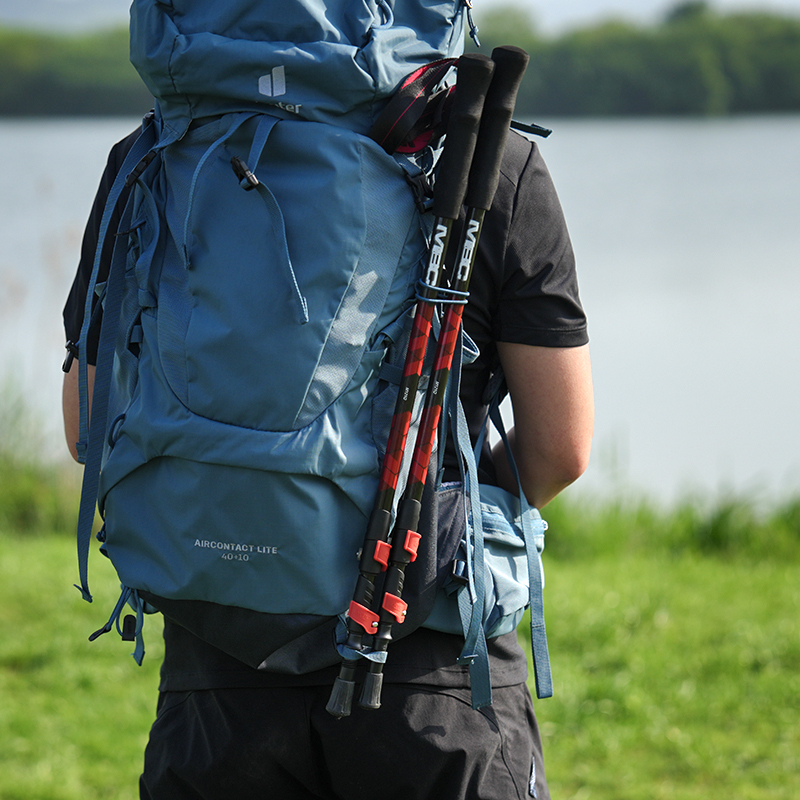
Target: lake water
{"type": "Point", "coordinates": [688, 242]}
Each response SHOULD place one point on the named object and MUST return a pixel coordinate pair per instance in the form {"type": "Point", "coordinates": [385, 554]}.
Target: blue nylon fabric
{"type": "Point", "coordinates": [260, 319]}
{"type": "Point", "coordinates": [129, 597]}
{"type": "Point", "coordinates": [509, 537]}
{"type": "Point", "coordinates": [233, 125]}
{"type": "Point", "coordinates": [137, 152]}
{"type": "Point", "coordinates": [224, 318]}
{"type": "Point", "coordinates": [265, 127]}
{"type": "Point", "coordinates": [278, 544]}
{"type": "Point", "coordinates": [328, 62]}
{"type": "Point", "coordinates": [533, 532]}
{"type": "Point", "coordinates": [272, 449]}
{"type": "Point", "coordinates": [471, 599]}
{"type": "Point", "coordinates": [93, 448]}
{"type": "Point", "coordinates": [474, 633]}
{"type": "Point", "coordinates": [138, 606]}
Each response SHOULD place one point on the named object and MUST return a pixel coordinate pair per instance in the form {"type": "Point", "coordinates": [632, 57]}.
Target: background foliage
{"type": "Point", "coordinates": [695, 61]}
{"type": "Point", "coordinates": [47, 74]}
{"type": "Point", "coordinates": [674, 635]}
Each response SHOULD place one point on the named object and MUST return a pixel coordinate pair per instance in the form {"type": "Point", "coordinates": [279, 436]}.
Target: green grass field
{"type": "Point", "coordinates": [674, 678]}
{"type": "Point", "coordinates": [674, 636]}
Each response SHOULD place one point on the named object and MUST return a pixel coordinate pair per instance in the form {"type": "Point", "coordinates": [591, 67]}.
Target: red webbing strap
{"type": "Point", "coordinates": [403, 111]}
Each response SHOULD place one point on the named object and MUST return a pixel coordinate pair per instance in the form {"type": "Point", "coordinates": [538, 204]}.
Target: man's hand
{"type": "Point", "coordinates": [70, 405]}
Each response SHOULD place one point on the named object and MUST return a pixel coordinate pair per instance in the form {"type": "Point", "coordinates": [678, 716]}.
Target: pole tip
{"type": "Point", "coordinates": [371, 690]}
{"type": "Point", "coordinates": [341, 699]}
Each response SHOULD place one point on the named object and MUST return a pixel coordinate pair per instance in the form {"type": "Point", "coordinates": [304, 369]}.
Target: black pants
{"type": "Point", "coordinates": [424, 743]}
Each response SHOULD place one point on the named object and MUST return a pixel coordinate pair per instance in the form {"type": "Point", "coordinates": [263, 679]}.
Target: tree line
{"type": "Point", "coordinates": [55, 75]}
{"type": "Point", "coordinates": [694, 61]}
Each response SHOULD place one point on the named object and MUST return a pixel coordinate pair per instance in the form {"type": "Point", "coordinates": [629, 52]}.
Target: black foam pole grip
{"type": "Point", "coordinates": [474, 74]}
{"type": "Point", "coordinates": [510, 64]}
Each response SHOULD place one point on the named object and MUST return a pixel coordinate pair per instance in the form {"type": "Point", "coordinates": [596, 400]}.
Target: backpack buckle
{"type": "Point", "coordinates": [421, 189]}
{"type": "Point", "coordinates": [139, 169]}
{"type": "Point", "coordinates": [72, 354]}
{"type": "Point", "coordinates": [458, 572]}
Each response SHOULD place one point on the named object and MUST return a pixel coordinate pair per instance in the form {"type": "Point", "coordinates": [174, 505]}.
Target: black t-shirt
{"type": "Point", "coordinates": [524, 290]}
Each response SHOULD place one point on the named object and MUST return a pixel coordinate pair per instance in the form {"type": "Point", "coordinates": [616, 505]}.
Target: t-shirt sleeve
{"type": "Point", "coordinates": [76, 300]}
{"type": "Point", "coordinates": [539, 300]}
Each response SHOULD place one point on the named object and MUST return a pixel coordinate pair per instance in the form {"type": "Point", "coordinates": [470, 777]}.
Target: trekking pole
{"type": "Point", "coordinates": [474, 74]}
{"type": "Point", "coordinates": [510, 64]}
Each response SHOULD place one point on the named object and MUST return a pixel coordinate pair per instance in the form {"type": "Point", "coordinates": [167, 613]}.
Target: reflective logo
{"type": "Point", "coordinates": [273, 84]}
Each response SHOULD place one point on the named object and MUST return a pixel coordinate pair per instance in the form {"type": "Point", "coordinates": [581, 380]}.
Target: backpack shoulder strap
{"type": "Point", "coordinates": [471, 597]}
{"type": "Point", "coordinates": [533, 528]}
{"type": "Point", "coordinates": [90, 444]}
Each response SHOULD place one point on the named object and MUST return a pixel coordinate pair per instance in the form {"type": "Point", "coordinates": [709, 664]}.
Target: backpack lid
{"type": "Point", "coordinates": [328, 61]}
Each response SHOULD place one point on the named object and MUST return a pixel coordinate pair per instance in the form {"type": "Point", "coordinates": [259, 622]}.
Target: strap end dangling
{"type": "Point", "coordinates": [85, 594]}
{"type": "Point", "coordinates": [473, 28]}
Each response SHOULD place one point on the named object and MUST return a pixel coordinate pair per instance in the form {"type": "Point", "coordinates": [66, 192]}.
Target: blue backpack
{"type": "Point", "coordinates": [255, 319]}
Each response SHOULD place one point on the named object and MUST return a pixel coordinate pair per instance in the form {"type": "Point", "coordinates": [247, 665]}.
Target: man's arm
{"type": "Point", "coordinates": [74, 309]}
{"type": "Point", "coordinates": [70, 405]}
{"type": "Point", "coordinates": [551, 394]}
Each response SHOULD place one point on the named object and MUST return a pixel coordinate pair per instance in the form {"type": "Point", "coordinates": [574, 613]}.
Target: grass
{"type": "Point", "coordinates": [75, 715]}
{"type": "Point", "coordinates": [674, 678]}
{"type": "Point", "coordinates": [674, 636]}
{"type": "Point", "coordinates": [675, 642]}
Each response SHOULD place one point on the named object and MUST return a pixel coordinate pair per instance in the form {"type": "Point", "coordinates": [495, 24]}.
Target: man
{"type": "Point", "coordinates": [225, 730]}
